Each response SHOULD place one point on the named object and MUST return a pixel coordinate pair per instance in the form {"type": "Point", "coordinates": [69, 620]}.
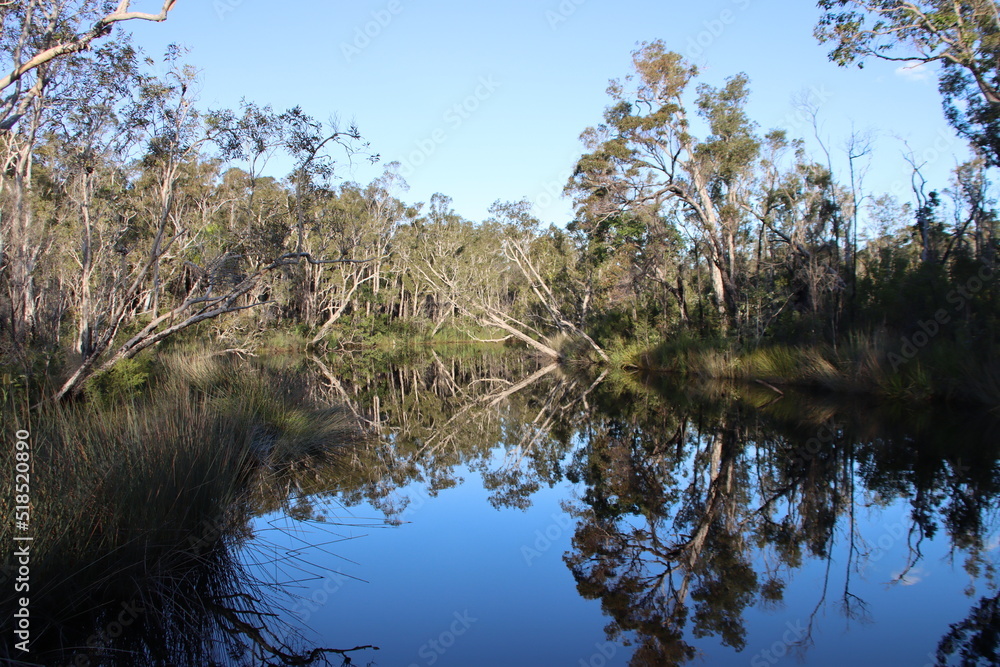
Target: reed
{"type": "Point", "coordinates": [137, 498]}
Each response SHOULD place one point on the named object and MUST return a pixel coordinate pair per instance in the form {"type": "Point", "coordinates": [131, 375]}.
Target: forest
{"type": "Point", "coordinates": [134, 218]}
{"type": "Point", "coordinates": [738, 406]}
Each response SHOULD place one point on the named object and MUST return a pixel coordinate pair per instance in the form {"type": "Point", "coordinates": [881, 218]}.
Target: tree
{"type": "Point", "coordinates": [359, 224]}
{"type": "Point", "coordinates": [182, 243]}
{"type": "Point", "coordinates": [520, 241]}
{"type": "Point", "coordinates": [796, 262]}
{"type": "Point", "coordinates": [36, 34]}
{"type": "Point", "coordinates": [644, 160]}
{"type": "Point", "coordinates": [963, 36]}
{"type": "Point", "coordinates": [82, 159]}
{"type": "Point", "coordinates": [49, 77]}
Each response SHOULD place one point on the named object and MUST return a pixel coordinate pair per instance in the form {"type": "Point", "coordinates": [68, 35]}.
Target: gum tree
{"type": "Point", "coordinates": [962, 36]}
{"type": "Point", "coordinates": [36, 34]}
{"type": "Point", "coordinates": [45, 69]}
{"type": "Point", "coordinates": [644, 160]}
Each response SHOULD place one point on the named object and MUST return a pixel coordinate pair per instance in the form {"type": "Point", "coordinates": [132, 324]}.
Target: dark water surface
{"type": "Point", "coordinates": [515, 514]}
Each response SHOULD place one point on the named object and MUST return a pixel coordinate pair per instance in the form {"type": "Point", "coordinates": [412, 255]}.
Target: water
{"type": "Point", "coordinates": [578, 520]}
{"type": "Point", "coordinates": [508, 512]}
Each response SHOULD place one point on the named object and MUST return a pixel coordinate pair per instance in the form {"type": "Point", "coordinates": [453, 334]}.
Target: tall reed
{"type": "Point", "coordinates": [133, 500]}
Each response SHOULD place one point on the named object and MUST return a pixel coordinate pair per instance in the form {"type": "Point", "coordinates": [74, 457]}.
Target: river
{"type": "Point", "coordinates": [514, 513]}
{"type": "Point", "coordinates": [500, 510]}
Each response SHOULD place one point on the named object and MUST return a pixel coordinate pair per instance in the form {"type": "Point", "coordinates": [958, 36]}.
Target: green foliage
{"type": "Point", "coordinates": [125, 381]}
{"type": "Point", "coordinates": [876, 365]}
{"type": "Point", "coordinates": [962, 36]}
{"type": "Point", "coordinates": [690, 220]}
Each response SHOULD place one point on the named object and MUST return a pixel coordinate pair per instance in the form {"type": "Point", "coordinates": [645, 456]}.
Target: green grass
{"type": "Point", "coordinates": [149, 486]}
{"type": "Point", "coordinates": [862, 364]}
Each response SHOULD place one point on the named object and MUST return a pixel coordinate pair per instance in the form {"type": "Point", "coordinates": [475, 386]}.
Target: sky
{"type": "Point", "coordinates": [486, 101]}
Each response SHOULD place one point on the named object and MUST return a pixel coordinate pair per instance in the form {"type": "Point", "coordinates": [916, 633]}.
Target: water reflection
{"type": "Point", "coordinates": [703, 502]}
{"type": "Point", "coordinates": [699, 508]}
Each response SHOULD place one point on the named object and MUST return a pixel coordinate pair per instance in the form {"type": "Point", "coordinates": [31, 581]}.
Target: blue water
{"type": "Point", "coordinates": [460, 582]}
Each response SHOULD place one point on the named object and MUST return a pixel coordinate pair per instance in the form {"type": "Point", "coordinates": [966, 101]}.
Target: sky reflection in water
{"type": "Point", "coordinates": [567, 506]}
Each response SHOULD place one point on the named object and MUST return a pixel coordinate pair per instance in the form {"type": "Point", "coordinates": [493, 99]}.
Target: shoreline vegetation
{"type": "Point", "coordinates": [694, 230]}
{"type": "Point", "coordinates": [881, 366]}
{"type": "Point", "coordinates": [895, 369]}
{"type": "Point", "coordinates": [865, 366]}
{"type": "Point", "coordinates": [160, 293]}
{"type": "Point", "coordinates": [142, 500]}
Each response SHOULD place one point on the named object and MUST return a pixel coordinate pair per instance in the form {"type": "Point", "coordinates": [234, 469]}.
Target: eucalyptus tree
{"type": "Point", "coordinates": [549, 264]}
{"type": "Point", "coordinates": [797, 263]}
{"type": "Point", "coordinates": [35, 35]}
{"type": "Point", "coordinates": [962, 37]}
{"type": "Point", "coordinates": [975, 215]}
{"type": "Point", "coordinates": [645, 159]}
{"type": "Point", "coordinates": [523, 290]}
{"type": "Point", "coordinates": [83, 161]}
{"type": "Point", "coordinates": [357, 224]}
{"type": "Point", "coordinates": [178, 264]}
{"type": "Point", "coordinates": [635, 265]}
{"type": "Point", "coordinates": [307, 141]}
{"type": "Point", "coordinates": [44, 57]}
{"type": "Point", "coordinates": [462, 272]}
{"type": "Point", "coordinates": [257, 208]}
{"type": "Point", "coordinates": [161, 130]}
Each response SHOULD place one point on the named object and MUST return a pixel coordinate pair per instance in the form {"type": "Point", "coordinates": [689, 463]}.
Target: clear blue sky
{"type": "Point", "coordinates": [528, 77]}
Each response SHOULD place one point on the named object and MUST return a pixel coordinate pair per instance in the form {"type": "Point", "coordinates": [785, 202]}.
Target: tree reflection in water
{"type": "Point", "coordinates": [701, 501]}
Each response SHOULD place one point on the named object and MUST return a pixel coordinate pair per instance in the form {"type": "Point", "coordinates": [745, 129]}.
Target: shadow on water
{"type": "Point", "coordinates": [700, 504]}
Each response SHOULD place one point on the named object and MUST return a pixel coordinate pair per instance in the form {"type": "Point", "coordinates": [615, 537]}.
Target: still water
{"type": "Point", "coordinates": [509, 513]}
{"type": "Point", "coordinates": [501, 511]}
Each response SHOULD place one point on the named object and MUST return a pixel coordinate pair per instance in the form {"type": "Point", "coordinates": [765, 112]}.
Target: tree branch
{"type": "Point", "coordinates": [82, 42]}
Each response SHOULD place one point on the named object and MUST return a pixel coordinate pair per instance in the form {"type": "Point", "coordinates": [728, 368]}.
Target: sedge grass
{"type": "Point", "coordinates": [135, 499]}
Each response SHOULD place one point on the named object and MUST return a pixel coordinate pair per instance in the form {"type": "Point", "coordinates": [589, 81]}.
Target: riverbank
{"type": "Point", "coordinates": [874, 365]}
{"type": "Point", "coordinates": [142, 493]}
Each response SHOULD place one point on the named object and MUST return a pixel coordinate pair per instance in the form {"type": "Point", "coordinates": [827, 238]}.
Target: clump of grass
{"type": "Point", "coordinates": [129, 496]}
